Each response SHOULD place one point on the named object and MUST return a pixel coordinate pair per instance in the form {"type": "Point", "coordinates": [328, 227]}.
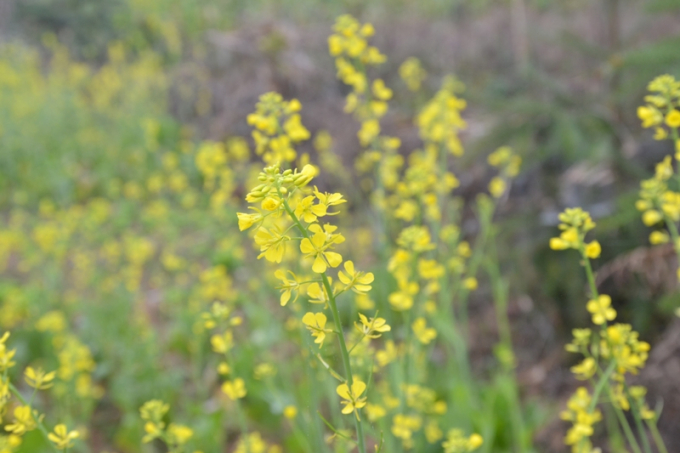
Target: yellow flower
{"type": "Point", "coordinates": [179, 434]}
{"type": "Point", "coordinates": [352, 400]}
{"type": "Point", "coordinates": [650, 116]}
{"type": "Point", "coordinates": [470, 283]}
{"type": "Point", "coordinates": [658, 237]}
{"type": "Point", "coordinates": [380, 91]}
{"type": "Point", "coordinates": [24, 420]}
{"type": "Point", "coordinates": [593, 250]}
{"type": "Point", "coordinates": [424, 334]}
{"type": "Point", "coordinates": [651, 217]}
{"type": "Point", "coordinates": [317, 294]}
{"type": "Point", "coordinates": [368, 132]}
{"type": "Point", "coordinates": [673, 118]}
{"type": "Point", "coordinates": [288, 286]}
{"type": "Point", "coordinates": [270, 204]}
{"type": "Point", "coordinates": [290, 412]}
{"type": "Point", "coordinates": [272, 243]}
{"type": "Point", "coordinates": [316, 324]}
{"type": "Point", "coordinates": [601, 309]}
{"type": "Point", "coordinates": [62, 437]}
{"type": "Point", "coordinates": [412, 73]}
{"type": "Point", "coordinates": [38, 379]}
{"type": "Point", "coordinates": [222, 343]}
{"type": "Point", "coordinates": [585, 370]}
{"type": "Point", "coordinates": [235, 389]}
{"type": "Point", "coordinates": [372, 328]}
{"type": "Point", "coordinates": [456, 442]}
{"type": "Point", "coordinates": [319, 247]}
{"type": "Point", "coordinates": [359, 282]}
{"type": "Point", "coordinates": [497, 187]}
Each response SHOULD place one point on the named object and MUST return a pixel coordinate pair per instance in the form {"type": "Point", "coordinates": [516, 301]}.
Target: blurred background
{"type": "Point", "coordinates": [559, 81]}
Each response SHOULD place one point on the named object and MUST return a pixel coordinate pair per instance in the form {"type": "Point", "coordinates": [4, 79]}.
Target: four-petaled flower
{"type": "Point", "coordinates": [62, 437]}
{"type": "Point", "coordinates": [353, 400]}
{"type": "Point", "coordinates": [601, 309]}
{"type": "Point", "coordinates": [319, 247]}
{"type": "Point", "coordinates": [316, 323]}
{"type": "Point", "coordinates": [372, 328]}
{"type": "Point", "coordinates": [359, 282]}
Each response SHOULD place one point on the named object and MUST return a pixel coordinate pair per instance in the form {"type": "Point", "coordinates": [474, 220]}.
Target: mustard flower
{"type": "Point", "coordinates": [412, 73]}
{"type": "Point", "coordinates": [290, 412]}
{"type": "Point", "coordinates": [424, 334]}
{"type": "Point", "coordinates": [372, 328]}
{"type": "Point", "coordinates": [673, 118]}
{"type": "Point", "coordinates": [38, 379]}
{"type": "Point", "coordinates": [457, 442]}
{"type": "Point", "coordinates": [288, 286]}
{"type": "Point", "coordinates": [319, 247]}
{"type": "Point", "coordinates": [585, 370]}
{"type": "Point", "coordinates": [25, 419]}
{"type": "Point", "coordinates": [235, 389]}
{"type": "Point", "coordinates": [272, 243]}
{"type": "Point", "coordinates": [179, 434]}
{"type": "Point", "coordinates": [317, 294]}
{"type": "Point", "coordinates": [353, 401]}
{"type": "Point", "coordinates": [316, 324]}
{"type": "Point", "coordinates": [62, 438]}
{"type": "Point", "coordinates": [593, 250]}
{"type": "Point", "coordinates": [601, 309]}
{"type": "Point", "coordinates": [359, 282]}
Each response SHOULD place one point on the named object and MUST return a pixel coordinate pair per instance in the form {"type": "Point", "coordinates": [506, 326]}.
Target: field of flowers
{"type": "Point", "coordinates": [168, 285]}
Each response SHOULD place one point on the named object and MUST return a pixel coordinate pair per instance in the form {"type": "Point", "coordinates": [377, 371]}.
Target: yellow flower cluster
{"type": "Point", "coordinates": [412, 73]}
{"type": "Point", "coordinates": [25, 418]}
{"type": "Point", "coordinates": [439, 122]}
{"type": "Point", "coordinates": [508, 163]}
{"type": "Point", "coordinates": [278, 128]}
{"type": "Point", "coordinates": [609, 356]}
{"type": "Point", "coordinates": [583, 416]}
{"type": "Point", "coordinates": [662, 108]}
{"type": "Point", "coordinates": [457, 442]}
{"type": "Point", "coordinates": [174, 435]}
{"type": "Point", "coordinates": [368, 99]}
{"type": "Point", "coordinates": [575, 223]}
{"type": "Point", "coordinates": [412, 241]}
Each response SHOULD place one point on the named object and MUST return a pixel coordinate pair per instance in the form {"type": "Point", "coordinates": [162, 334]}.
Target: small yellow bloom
{"type": "Point", "coordinates": [497, 187]}
{"type": "Point", "coordinates": [673, 119]}
{"type": "Point", "coordinates": [372, 328]}
{"type": "Point", "coordinates": [651, 217]}
{"type": "Point", "coordinates": [290, 412]}
{"type": "Point", "coordinates": [593, 250]}
{"type": "Point", "coordinates": [316, 324]}
{"type": "Point", "coordinates": [424, 334]}
{"type": "Point", "coordinates": [601, 310]}
{"type": "Point", "coordinates": [235, 389]}
{"type": "Point", "coordinates": [470, 283]}
{"type": "Point", "coordinates": [62, 437]}
{"type": "Point", "coordinates": [359, 282]}
{"type": "Point", "coordinates": [585, 370]}
{"type": "Point", "coordinates": [352, 400]}
{"type": "Point", "coordinates": [658, 237]}
{"type": "Point", "coordinates": [38, 379]}
{"type": "Point", "coordinates": [179, 434]}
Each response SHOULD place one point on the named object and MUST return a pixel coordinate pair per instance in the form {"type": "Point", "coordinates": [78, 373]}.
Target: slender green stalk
{"type": "Point", "coordinates": [641, 430]}
{"type": "Point", "coordinates": [660, 444]}
{"type": "Point", "coordinates": [338, 327]}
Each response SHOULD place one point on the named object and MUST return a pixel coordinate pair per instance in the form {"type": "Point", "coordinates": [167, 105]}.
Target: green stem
{"type": "Point", "coordinates": [660, 444]}
{"type": "Point", "coordinates": [641, 431]}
